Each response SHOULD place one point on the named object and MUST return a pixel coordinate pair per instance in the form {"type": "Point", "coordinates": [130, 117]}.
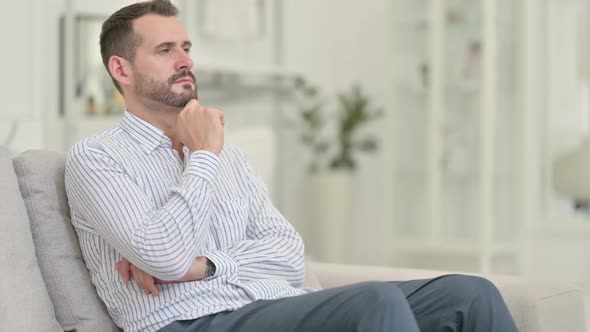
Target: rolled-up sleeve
{"type": "Point", "coordinates": [273, 248]}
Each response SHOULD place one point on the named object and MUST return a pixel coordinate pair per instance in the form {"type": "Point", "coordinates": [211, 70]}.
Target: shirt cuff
{"type": "Point", "coordinates": [203, 164]}
{"type": "Point", "coordinates": [224, 264]}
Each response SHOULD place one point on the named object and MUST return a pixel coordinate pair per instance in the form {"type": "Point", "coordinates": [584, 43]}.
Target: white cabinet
{"type": "Point", "coordinates": [456, 134]}
{"type": "Point", "coordinates": [474, 158]}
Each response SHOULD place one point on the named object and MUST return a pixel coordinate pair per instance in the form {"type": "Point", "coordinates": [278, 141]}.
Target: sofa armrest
{"type": "Point", "coordinates": [535, 306]}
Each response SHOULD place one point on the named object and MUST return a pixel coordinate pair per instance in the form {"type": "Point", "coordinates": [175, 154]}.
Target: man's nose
{"type": "Point", "coordinates": [184, 62]}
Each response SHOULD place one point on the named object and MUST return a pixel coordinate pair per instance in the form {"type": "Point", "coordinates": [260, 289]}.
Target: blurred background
{"type": "Point", "coordinates": [439, 134]}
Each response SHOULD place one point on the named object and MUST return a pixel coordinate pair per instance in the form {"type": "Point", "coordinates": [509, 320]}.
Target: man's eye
{"type": "Point", "coordinates": [164, 51]}
{"type": "Point", "coordinates": [187, 50]}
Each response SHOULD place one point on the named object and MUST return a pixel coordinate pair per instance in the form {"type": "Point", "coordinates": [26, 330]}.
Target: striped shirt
{"type": "Point", "coordinates": [132, 196]}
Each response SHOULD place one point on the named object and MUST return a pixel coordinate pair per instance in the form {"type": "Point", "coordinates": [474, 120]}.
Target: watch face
{"type": "Point", "coordinates": [210, 270]}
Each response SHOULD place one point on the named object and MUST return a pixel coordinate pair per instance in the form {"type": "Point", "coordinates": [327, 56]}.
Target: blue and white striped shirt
{"type": "Point", "coordinates": [132, 196]}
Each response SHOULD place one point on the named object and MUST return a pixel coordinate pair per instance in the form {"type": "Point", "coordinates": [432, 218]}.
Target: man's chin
{"type": "Point", "coordinates": [185, 93]}
{"type": "Point", "coordinates": [181, 102]}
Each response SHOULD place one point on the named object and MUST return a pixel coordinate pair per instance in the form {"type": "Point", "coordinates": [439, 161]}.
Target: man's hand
{"type": "Point", "coordinates": [144, 280]}
{"type": "Point", "coordinates": [148, 283]}
{"type": "Point", "coordinates": [201, 128]}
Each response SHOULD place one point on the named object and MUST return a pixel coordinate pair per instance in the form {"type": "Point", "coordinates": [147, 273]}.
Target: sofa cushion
{"type": "Point", "coordinates": [311, 278]}
{"type": "Point", "coordinates": [25, 304]}
{"type": "Point", "coordinates": [77, 306]}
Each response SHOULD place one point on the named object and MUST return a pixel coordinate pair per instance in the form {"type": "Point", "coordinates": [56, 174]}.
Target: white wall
{"type": "Point", "coordinates": [336, 43]}
{"type": "Point", "coordinates": [25, 60]}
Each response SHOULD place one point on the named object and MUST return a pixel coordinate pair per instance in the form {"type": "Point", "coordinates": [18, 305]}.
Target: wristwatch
{"type": "Point", "coordinates": [210, 269]}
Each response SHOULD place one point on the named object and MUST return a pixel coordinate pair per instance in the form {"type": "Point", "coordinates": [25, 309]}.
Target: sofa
{"type": "Point", "coordinates": [46, 287]}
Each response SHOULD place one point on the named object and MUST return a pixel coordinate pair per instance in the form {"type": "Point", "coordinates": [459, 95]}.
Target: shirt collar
{"type": "Point", "coordinates": [146, 134]}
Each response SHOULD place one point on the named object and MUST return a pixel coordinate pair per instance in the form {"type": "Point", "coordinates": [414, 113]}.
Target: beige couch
{"type": "Point", "coordinates": [45, 284]}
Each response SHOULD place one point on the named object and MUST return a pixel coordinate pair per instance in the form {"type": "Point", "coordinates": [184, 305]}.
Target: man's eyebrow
{"type": "Point", "coordinates": [165, 44]}
{"type": "Point", "coordinates": [185, 43]}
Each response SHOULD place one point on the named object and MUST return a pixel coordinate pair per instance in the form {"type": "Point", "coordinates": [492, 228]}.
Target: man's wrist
{"type": "Point", "coordinates": [224, 264]}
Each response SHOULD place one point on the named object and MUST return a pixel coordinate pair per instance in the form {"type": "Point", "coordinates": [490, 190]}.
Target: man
{"type": "Point", "coordinates": [187, 223]}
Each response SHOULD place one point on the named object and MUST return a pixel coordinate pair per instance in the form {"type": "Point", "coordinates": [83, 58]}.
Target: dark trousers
{"type": "Point", "coordinates": [448, 303]}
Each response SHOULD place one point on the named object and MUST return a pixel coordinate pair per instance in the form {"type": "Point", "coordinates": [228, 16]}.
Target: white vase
{"type": "Point", "coordinates": [330, 206]}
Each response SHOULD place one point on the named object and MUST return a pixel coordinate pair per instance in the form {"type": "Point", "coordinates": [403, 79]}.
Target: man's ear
{"type": "Point", "coordinates": [120, 69]}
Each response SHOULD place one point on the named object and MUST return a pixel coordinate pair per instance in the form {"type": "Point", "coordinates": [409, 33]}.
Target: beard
{"type": "Point", "coordinates": [161, 92]}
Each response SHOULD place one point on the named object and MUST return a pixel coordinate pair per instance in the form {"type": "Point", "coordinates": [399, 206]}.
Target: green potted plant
{"type": "Point", "coordinates": [311, 122]}
{"type": "Point", "coordinates": [352, 112]}
{"type": "Point", "coordinates": [334, 139]}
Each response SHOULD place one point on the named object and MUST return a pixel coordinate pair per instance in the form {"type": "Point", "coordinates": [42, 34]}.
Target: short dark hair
{"type": "Point", "coordinates": [117, 36]}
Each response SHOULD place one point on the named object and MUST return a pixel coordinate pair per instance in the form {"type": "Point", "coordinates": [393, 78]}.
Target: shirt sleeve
{"type": "Point", "coordinates": [162, 242]}
{"type": "Point", "coordinates": [272, 250]}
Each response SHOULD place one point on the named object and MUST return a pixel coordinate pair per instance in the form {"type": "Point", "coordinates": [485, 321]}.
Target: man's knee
{"type": "Point", "coordinates": [466, 288]}
{"type": "Point", "coordinates": [477, 285]}
{"type": "Point", "coordinates": [382, 306]}
{"type": "Point", "coordinates": [480, 303]}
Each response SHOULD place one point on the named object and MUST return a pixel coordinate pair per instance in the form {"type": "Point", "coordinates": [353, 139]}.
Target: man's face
{"type": "Point", "coordinates": [163, 69]}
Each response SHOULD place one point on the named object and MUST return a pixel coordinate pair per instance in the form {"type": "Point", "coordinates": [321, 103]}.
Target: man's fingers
{"type": "Point", "coordinates": [123, 267]}
{"type": "Point", "coordinates": [193, 103]}
{"type": "Point", "coordinates": [139, 279]}
{"type": "Point", "coordinates": [137, 274]}
{"type": "Point", "coordinates": [152, 288]}
{"type": "Point", "coordinates": [148, 286]}
{"type": "Point", "coordinates": [144, 281]}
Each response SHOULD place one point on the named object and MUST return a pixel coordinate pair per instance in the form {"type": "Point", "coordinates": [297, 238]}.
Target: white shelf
{"type": "Point", "coordinates": [423, 22]}
{"type": "Point", "coordinates": [246, 69]}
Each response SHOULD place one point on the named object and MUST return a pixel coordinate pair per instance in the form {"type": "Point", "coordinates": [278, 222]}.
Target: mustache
{"type": "Point", "coordinates": [182, 74]}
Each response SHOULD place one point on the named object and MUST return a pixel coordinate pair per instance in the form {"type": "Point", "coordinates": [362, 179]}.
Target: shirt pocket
{"type": "Point", "coordinates": [229, 220]}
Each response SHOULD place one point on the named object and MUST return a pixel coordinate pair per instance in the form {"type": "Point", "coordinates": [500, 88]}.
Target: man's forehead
{"type": "Point", "coordinates": [155, 29]}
